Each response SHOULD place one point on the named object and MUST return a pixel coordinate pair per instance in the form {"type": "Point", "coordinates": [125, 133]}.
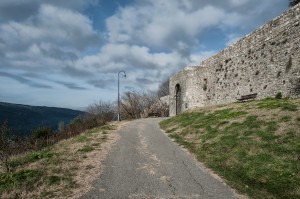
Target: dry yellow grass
{"type": "Point", "coordinates": [72, 167]}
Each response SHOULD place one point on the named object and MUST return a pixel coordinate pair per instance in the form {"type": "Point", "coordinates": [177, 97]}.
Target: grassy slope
{"type": "Point", "coordinates": [254, 146]}
{"type": "Point", "coordinates": [61, 171]}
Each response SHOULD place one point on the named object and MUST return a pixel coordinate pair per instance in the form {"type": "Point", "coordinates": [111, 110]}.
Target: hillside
{"type": "Point", "coordinates": [254, 146]}
{"type": "Point", "coordinates": [64, 170]}
{"type": "Point", "coordinates": [25, 118]}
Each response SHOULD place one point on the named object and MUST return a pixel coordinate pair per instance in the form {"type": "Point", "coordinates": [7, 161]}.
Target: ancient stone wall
{"type": "Point", "coordinates": [265, 62]}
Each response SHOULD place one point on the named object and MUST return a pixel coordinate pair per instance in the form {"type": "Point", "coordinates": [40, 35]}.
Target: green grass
{"type": "Point", "coordinates": [31, 157]}
{"type": "Point", "coordinates": [253, 154]}
{"type": "Point", "coordinates": [283, 104]}
{"type": "Point", "coordinates": [54, 180]}
{"type": "Point", "coordinates": [86, 149]}
{"type": "Point", "coordinates": [25, 178]}
{"type": "Point", "coordinates": [103, 128]}
{"type": "Point", "coordinates": [285, 118]}
{"type": "Point", "coordinates": [81, 138]}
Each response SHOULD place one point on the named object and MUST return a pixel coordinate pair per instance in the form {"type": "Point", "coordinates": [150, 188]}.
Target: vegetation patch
{"type": "Point", "coordinates": [255, 154]}
{"type": "Point", "coordinates": [24, 178]}
{"type": "Point", "coordinates": [86, 149]}
{"type": "Point", "coordinates": [57, 171]}
{"type": "Point", "coordinates": [283, 104]}
{"type": "Point", "coordinates": [31, 157]}
{"type": "Point", "coordinates": [81, 138]}
{"type": "Point", "coordinates": [54, 180]}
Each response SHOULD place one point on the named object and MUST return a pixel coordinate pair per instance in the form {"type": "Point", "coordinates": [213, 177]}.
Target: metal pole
{"type": "Point", "coordinates": [119, 115]}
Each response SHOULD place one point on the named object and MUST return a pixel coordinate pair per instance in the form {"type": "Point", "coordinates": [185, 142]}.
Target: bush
{"type": "Point", "coordinates": [42, 133]}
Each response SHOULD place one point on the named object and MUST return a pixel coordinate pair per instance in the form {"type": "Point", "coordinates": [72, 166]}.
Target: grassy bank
{"type": "Point", "coordinates": [254, 146]}
{"type": "Point", "coordinates": [63, 170]}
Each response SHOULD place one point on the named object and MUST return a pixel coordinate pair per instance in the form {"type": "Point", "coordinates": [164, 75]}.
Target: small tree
{"type": "Point", "coordinates": [5, 145]}
{"type": "Point", "coordinates": [163, 89]}
{"type": "Point", "coordinates": [42, 133]}
{"type": "Point", "coordinates": [293, 3]}
{"type": "Point", "coordinates": [102, 110]}
{"type": "Point", "coordinates": [131, 105]}
{"type": "Point", "coordinates": [137, 104]}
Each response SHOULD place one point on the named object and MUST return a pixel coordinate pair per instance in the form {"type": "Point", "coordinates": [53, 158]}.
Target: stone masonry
{"type": "Point", "coordinates": [265, 62]}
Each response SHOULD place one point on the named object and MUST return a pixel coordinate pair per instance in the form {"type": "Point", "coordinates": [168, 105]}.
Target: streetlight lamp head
{"type": "Point", "coordinates": [125, 75]}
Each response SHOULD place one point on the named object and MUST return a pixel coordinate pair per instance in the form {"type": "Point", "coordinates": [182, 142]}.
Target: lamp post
{"type": "Point", "coordinates": [119, 116]}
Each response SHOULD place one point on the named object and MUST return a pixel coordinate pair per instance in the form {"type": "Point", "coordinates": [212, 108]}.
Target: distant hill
{"type": "Point", "coordinates": [25, 118]}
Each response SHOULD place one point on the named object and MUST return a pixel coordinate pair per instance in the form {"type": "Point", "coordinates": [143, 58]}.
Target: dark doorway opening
{"type": "Point", "coordinates": [178, 98]}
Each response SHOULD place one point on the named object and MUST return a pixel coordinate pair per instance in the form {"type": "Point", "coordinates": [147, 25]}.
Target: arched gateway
{"type": "Point", "coordinates": [178, 98]}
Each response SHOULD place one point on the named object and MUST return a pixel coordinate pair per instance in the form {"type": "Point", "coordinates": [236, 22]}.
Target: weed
{"type": "Point", "coordinates": [107, 127]}
{"type": "Point", "coordinates": [298, 121]}
{"type": "Point", "coordinates": [81, 138]}
{"type": "Point", "coordinates": [38, 155]}
{"type": "Point", "coordinates": [54, 180]}
{"type": "Point", "coordinates": [104, 137]}
{"type": "Point", "coordinates": [26, 178]}
{"type": "Point", "coordinates": [31, 157]}
{"type": "Point", "coordinates": [223, 123]}
{"type": "Point", "coordinates": [285, 118]}
{"type": "Point", "coordinates": [96, 144]}
{"type": "Point", "coordinates": [86, 149]}
{"type": "Point", "coordinates": [47, 194]}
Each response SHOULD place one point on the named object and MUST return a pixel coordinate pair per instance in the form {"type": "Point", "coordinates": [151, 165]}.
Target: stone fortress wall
{"type": "Point", "coordinates": [265, 62]}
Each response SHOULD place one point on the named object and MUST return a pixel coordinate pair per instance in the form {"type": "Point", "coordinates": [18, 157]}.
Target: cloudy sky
{"type": "Point", "coordinates": [67, 53]}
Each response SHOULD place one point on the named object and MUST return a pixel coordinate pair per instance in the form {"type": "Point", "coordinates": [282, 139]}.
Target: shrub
{"type": "Point", "coordinates": [42, 133]}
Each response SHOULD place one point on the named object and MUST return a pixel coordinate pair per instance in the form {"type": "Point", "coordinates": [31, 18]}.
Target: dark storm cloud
{"type": "Point", "coordinates": [104, 84]}
{"type": "Point", "coordinates": [71, 85]}
{"type": "Point", "coordinates": [76, 72]}
{"type": "Point", "coordinates": [57, 53]}
{"type": "Point", "coordinates": [23, 80]}
{"type": "Point", "coordinates": [145, 81]}
{"type": "Point", "coordinates": [19, 10]}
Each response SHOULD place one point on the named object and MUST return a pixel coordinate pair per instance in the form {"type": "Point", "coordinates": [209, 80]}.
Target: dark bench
{"type": "Point", "coordinates": [247, 97]}
{"type": "Point", "coordinates": [153, 114]}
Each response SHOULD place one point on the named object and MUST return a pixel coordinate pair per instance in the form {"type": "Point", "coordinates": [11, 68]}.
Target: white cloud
{"type": "Point", "coordinates": [51, 38]}
{"type": "Point", "coordinates": [114, 57]}
{"type": "Point", "coordinates": [57, 25]}
{"type": "Point", "coordinates": [160, 24]}
{"type": "Point", "coordinates": [149, 39]}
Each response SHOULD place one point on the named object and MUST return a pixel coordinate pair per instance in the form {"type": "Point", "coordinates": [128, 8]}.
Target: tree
{"type": "Point", "coordinates": [163, 89]}
{"type": "Point", "coordinates": [149, 102]}
{"type": "Point", "coordinates": [137, 104]}
{"type": "Point", "coordinates": [102, 110]}
{"type": "Point", "coordinates": [131, 105]}
{"type": "Point", "coordinates": [293, 3]}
